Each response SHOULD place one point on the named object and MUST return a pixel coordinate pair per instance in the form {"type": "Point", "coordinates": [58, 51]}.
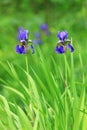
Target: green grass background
{"type": "Point", "coordinates": [44, 91]}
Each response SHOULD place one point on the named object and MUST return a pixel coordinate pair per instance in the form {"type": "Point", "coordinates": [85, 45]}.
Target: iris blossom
{"type": "Point", "coordinates": [37, 38]}
{"type": "Point", "coordinates": [64, 43]}
{"type": "Point", "coordinates": [22, 47]}
{"type": "Point", "coordinates": [44, 28]}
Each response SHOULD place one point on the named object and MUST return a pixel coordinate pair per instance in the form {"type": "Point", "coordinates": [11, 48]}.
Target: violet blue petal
{"type": "Point", "coordinates": [31, 46]}
{"type": "Point", "coordinates": [44, 27]}
{"type": "Point", "coordinates": [20, 49]}
{"type": "Point", "coordinates": [62, 35]}
{"type": "Point", "coordinates": [69, 46]}
{"type": "Point", "coordinates": [59, 49]}
{"type": "Point", "coordinates": [22, 34]}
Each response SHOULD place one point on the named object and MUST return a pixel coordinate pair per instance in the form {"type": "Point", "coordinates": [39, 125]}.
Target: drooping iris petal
{"type": "Point", "coordinates": [22, 34]}
{"type": "Point", "coordinates": [59, 49]}
{"type": "Point", "coordinates": [20, 49]}
{"type": "Point", "coordinates": [32, 49]}
{"type": "Point", "coordinates": [62, 35]}
{"type": "Point", "coordinates": [69, 46]}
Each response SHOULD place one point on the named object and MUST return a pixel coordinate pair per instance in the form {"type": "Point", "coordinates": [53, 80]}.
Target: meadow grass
{"type": "Point", "coordinates": [46, 97]}
{"type": "Point", "coordinates": [44, 91]}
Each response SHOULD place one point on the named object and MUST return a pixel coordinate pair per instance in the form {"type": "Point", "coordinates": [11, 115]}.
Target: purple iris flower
{"type": "Point", "coordinates": [22, 35]}
{"type": "Point", "coordinates": [44, 28]}
{"type": "Point", "coordinates": [22, 47]}
{"type": "Point", "coordinates": [37, 38]}
{"type": "Point", "coordinates": [64, 43]}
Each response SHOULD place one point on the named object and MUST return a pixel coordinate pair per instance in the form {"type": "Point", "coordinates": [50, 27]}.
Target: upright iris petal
{"type": "Point", "coordinates": [22, 35]}
{"type": "Point", "coordinates": [62, 35]}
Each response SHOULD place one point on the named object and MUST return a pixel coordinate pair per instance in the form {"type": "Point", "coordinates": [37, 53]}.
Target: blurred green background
{"type": "Point", "coordinates": [70, 15]}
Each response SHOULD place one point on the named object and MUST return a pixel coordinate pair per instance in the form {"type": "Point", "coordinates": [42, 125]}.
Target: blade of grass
{"type": "Point", "coordinates": [78, 115]}
{"type": "Point", "coordinates": [15, 91]}
{"type": "Point", "coordinates": [10, 123]}
{"type": "Point", "coordinates": [25, 122]}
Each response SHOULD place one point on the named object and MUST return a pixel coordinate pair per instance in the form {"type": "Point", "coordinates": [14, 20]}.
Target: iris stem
{"type": "Point", "coordinates": [27, 70]}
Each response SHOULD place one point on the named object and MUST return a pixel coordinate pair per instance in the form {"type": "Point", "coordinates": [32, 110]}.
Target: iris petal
{"type": "Point", "coordinates": [59, 49]}
{"type": "Point", "coordinates": [62, 35]}
{"type": "Point", "coordinates": [20, 49]}
{"type": "Point", "coordinates": [69, 46]}
{"type": "Point", "coordinates": [22, 34]}
{"type": "Point", "coordinates": [32, 49]}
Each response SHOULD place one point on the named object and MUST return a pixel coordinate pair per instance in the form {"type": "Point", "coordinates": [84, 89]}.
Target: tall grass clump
{"type": "Point", "coordinates": [44, 95]}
